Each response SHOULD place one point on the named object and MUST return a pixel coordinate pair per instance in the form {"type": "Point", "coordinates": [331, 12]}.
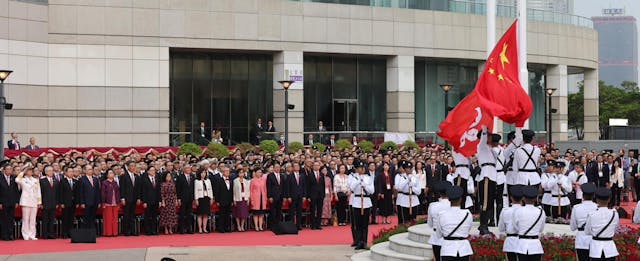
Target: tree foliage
{"type": "Point", "coordinates": [621, 103]}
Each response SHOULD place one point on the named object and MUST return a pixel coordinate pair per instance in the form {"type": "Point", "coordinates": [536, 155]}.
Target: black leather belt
{"type": "Point", "coordinates": [512, 235]}
{"type": "Point", "coordinates": [580, 229]}
{"type": "Point", "coordinates": [602, 238]}
{"type": "Point", "coordinates": [547, 191]}
{"type": "Point", "coordinates": [555, 196]}
{"type": "Point", "coordinates": [412, 194]}
{"type": "Point", "coordinates": [505, 195]}
{"type": "Point", "coordinates": [462, 165]}
{"type": "Point", "coordinates": [455, 238]}
{"type": "Point", "coordinates": [528, 237]}
{"type": "Point", "coordinates": [527, 170]}
{"type": "Point", "coordinates": [487, 164]}
{"type": "Point", "coordinates": [361, 195]}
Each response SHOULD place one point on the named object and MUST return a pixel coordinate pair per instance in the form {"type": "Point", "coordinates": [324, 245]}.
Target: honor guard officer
{"type": "Point", "coordinates": [601, 225]}
{"type": "Point", "coordinates": [408, 187]}
{"type": "Point", "coordinates": [528, 221]}
{"type": "Point", "coordinates": [461, 175]}
{"type": "Point", "coordinates": [400, 175]}
{"type": "Point", "coordinates": [453, 226]}
{"type": "Point", "coordinates": [560, 189]}
{"type": "Point", "coordinates": [434, 211]}
{"type": "Point", "coordinates": [486, 180]}
{"type": "Point", "coordinates": [361, 186]}
{"type": "Point", "coordinates": [578, 179]}
{"type": "Point", "coordinates": [501, 190]}
{"type": "Point", "coordinates": [510, 174]}
{"type": "Point", "coordinates": [579, 215]}
{"type": "Point", "coordinates": [546, 180]}
{"type": "Point", "coordinates": [525, 160]}
{"type": "Point", "coordinates": [505, 224]}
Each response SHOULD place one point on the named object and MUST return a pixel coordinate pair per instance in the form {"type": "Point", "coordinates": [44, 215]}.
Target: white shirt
{"type": "Point", "coordinates": [579, 215]}
{"type": "Point", "coordinates": [580, 178]}
{"type": "Point", "coordinates": [199, 190]}
{"type": "Point", "coordinates": [407, 185]}
{"type": "Point", "coordinates": [596, 223]}
{"type": "Point", "coordinates": [560, 186]}
{"type": "Point", "coordinates": [544, 183]}
{"type": "Point", "coordinates": [524, 218]}
{"type": "Point", "coordinates": [340, 183]}
{"type": "Point", "coordinates": [521, 163]}
{"type": "Point", "coordinates": [486, 160]}
{"type": "Point", "coordinates": [434, 211]}
{"type": "Point", "coordinates": [505, 226]}
{"type": "Point", "coordinates": [461, 171]}
{"type": "Point", "coordinates": [636, 214]}
{"type": "Point", "coordinates": [510, 176]}
{"type": "Point", "coordinates": [30, 187]}
{"type": "Point", "coordinates": [448, 221]}
{"type": "Point", "coordinates": [359, 184]}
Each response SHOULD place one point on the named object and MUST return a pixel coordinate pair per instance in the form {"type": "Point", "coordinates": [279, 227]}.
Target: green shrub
{"type": "Point", "coordinates": [190, 149]}
{"type": "Point", "coordinates": [217, 150]}
{"type": "Point", "coordinates": [409, 144]}
{"type": "Point", "coordinates": [366, 146]}
{"type": "Point", "coordinates": [246, 147]}
{"type": "Point", "coordinates": [343, 144]}
{"type": "Point", "coordinates": [319, 146]}
{"type": "Point", "coordinates": [295, 146]}
{"type": "Point", "coordinates": [270, 146]}
{"type": "Point", "coordinates": [389, 144]}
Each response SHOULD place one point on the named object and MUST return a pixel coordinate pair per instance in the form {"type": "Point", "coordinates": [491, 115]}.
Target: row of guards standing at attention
{"type": "Point", "coordinates": [361, 186]}
{"type": "Point", "coordinates": [556, 186]}
{"type": "Point", "coordinates": [407, 183]}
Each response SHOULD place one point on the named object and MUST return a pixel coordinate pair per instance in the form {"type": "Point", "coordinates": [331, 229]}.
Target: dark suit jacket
{"type": "Point", "coordinates": [12, 146]}
{"type": "Point", "coordinates": [297, 189]}
{"type": "Point", "coordinates": [309, 142]}
{"type": "Point", "coordinates": [433, 175]}
{"type": "Point", "coordinates": [185, 189]}
{"type": "Point", "coordinates": [224, 195]}
{"type": "Point", "coordinates": [66, 193]}
{"type": "Point", "coordinates": [592, 172]}
{"type": "Point", "coordinates": [148, 193]}
{"type": "Point", "coordinates": [381, 184]}
{"type": "Point", "coordinates": [606, 172]}
{"type": "Point", "coordinates": [276, 190]}
{"type": "Point", "coordinates": [34, 147]}
{"type": "Point", "coordinates": [634, 171]}
{"type": "Point", "coordinates": [9, 194]}
{"type": "Point", "coordinates": [315, 189]}
{"type": "Point", "coordinates": [49, 193]}
{"type": "Point", "coordinates": [129, 190]}
{"type": "Point", "coordinates": [89, 195]}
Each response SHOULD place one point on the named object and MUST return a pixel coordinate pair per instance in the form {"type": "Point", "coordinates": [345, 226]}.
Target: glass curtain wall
{"type": "Point", "coordinates": [345, 88]}
{"type": "Point", "coordinates": [227, 92]}
{"type": "Point", "coordinates": [537, 121]}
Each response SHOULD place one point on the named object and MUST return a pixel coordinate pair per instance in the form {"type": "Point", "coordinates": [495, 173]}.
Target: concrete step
{"type": "Point", "coordinates": [362, 256]}
{"type": "Point", "coordinates": [420, 233]}
{"type": "Point", "coordinates": [382, 252]}
{"type": "Point", "coordinates": [402, 244]}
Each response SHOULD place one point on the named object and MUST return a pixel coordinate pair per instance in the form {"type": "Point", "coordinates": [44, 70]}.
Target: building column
{"type": "Point", "coordinates": [287, 65]}
{"type": "Point", "coordinates": [557, 77]}
{"type": "Point", "coordinates": [400, 94]}
{"type": "Point", "coordinates": [591, 105]}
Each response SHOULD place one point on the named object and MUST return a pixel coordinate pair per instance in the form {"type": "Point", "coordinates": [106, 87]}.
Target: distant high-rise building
{"type": "Point", "coordinates": [618, 48]}
{"type": "Point", "coordinates": [558, 6]}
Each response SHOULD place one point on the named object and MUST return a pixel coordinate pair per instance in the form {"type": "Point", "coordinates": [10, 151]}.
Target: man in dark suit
{"type": "Point", "coordinates": [9, 198]}
{"type": "Point", "coordinates": [89, 191]}
{"type": "Point", "coordinates": [13, 143]}
{"type": "Point", "coordinates": [201, 135]}
{"type": "Point", "coordinates": [600, 172]}
{"type": "Point", "coordinates": [66, 200]}
{"type": "Point", "coordinates": [635, 173]}
{"type": "Point", "coordinates": [316, 192]}
{"type": "Point", "coordinates": [184, 189]}
{"type": "Point", "coordinates": [434, 175]}
{"type": "Point", "coordinates": [150, 197]}
{"type": "Point", "coordinates": [32, 145]}
{"type": "Point", "coordinates": [258, 129]}
{"type": "Point", "coordinates": [276, 191]}
{"type": "Point", "coordinates": [130, 198]}
{"type": "Point", "coordinates": [223, 191]}
{"type": "Point", "coordinates": [49, 191]}
{"type": "Point", "coordinates": [297, 194]}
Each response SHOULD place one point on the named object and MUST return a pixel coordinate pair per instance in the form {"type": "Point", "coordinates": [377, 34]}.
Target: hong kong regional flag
{"type": "Point", "coordinates": [464, 122]}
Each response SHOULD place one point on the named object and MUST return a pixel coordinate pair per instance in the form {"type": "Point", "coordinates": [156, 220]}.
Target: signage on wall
{"type": "Point", "coordinates": [613, 11]}
{"type": "Point", "coordinates": [294, 72]}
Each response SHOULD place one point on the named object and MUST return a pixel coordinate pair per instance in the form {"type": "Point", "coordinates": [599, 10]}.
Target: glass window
{"type": "Point", "coordinates": [227, 92]}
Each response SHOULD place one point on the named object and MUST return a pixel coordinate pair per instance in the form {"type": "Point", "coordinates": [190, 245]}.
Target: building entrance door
{"type": "Point", "coordinates": [345, 114]}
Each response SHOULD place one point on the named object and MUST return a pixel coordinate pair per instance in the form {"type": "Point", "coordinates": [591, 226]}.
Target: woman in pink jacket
{"type": "Point", "coordinates": [258, 198]}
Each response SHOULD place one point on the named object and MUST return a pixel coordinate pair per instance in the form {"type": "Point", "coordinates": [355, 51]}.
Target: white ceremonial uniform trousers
{"type": "Point", "coordinates": [29, 222]}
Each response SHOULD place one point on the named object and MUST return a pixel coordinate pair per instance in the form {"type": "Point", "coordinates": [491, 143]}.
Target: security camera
{"type": "Point", "coordinates": [290, 106]}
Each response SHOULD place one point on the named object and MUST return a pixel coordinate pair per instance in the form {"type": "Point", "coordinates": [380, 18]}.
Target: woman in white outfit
{"type": "Point", "coordinates": [30, 199]}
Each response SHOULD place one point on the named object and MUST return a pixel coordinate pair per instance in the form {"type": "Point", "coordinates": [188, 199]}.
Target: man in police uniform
{"type": "Point", "coordinates": [486, 180]}
{"type": "Point", "coordinates": [400, 174]}
{"type": "Point", "coordinates": [579, 215]}
{"type": "Point", "coordinates": [461, 175]}
{"type": "Point", "coordinates": [560, 188]}
{"type": "Point", "coordinates": [525, 160]}
{"type": "Point", "coordinates": [361, 186]}
{"type": "Point", "coordinates": [601, 225]}
{"type": "Point", "coordinates": [501, 194]}
{"type": "Point", "coordinates": [578, 177]}
{"type": "Point", "coordinates": [453, 226]}
{"type": "Point", "coordinates": [505, 224]}
{"type": "Point", "coordinates": [510, 174]}
{"type": "Point", "coordinates": [434, 211]}
{"type": "Point", "coordinates": [528, 221]}
{"type": "Point", "coordinates": [408, 186]}
{"type": "Point", "coordinates": [546, 181]}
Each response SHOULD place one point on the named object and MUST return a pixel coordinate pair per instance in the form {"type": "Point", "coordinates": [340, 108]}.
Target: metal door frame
{"type": "Point", "coordinates": [333, 113]}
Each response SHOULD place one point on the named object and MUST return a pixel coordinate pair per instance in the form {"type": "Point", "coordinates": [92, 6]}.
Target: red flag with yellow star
{"type": "Point", "coordinates": [499, 85]}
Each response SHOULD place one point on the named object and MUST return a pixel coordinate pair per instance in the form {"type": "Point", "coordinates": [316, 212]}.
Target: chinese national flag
{"type": "Point", "coordinates": [499, 86]}
{"type": "Point", "coordinates": [464, 122]}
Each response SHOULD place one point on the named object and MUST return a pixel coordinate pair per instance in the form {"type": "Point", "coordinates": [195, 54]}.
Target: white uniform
{"type": "Point", "coordinates": [511, 175]}
{"type": "Point", "coordinates": [579, 215]}
{"type": "Point", "coordinates": [470, 189]}
{"type": "Point", "coordinates": [498, 154]}
{"type": "Point", "coordinates": [403, 183]}
{"type": "Point", "coordinates": [636, 214]}
{"type": "Point", "coordinates": [544, 182]}
{"type": "Point", "coordinates": [561, 190]}
{"type": "Point", "coordinates": [527, 224]}
{"type": "Point", "coordinates": [525, 162]}
{"type": "Point", "coordinates": [359, 184]}
{"type": "Point", "coordinates": [599, 227]}
{"type": "Point", "coordinates": [434, 211]}
{"type": "Point", "coordinates": [505, 226]}
{"type": "Point", "coordinates": [580, 178]}
{"type": "Point", "coordinates": [29, 201]}
{"type": "Point", "coordinates": [486, 160]}
{"type": "Point", "coordinates": [453, 226]}
{"type": "Point", "coordinates": [462, 165]}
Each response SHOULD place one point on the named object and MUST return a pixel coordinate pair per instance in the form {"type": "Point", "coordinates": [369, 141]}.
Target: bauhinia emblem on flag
{"type": "Point", "coordinates": [498, 92]}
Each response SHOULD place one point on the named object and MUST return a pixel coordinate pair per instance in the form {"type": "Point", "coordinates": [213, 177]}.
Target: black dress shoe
{"type": "Point", "coordinates": [354, 245]}
{"type": "Point", "coordinates": [359, 247]}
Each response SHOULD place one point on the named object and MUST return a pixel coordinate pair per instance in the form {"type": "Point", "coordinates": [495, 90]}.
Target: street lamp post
{"type": "Point", "coordinates": [4, 74]}
{"type": "Point", "coordinates": [446, 88]}
{"type": "Point", "coordinates": [285, 86]}
{"type": "Point", "coordinates": [549, 92]}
